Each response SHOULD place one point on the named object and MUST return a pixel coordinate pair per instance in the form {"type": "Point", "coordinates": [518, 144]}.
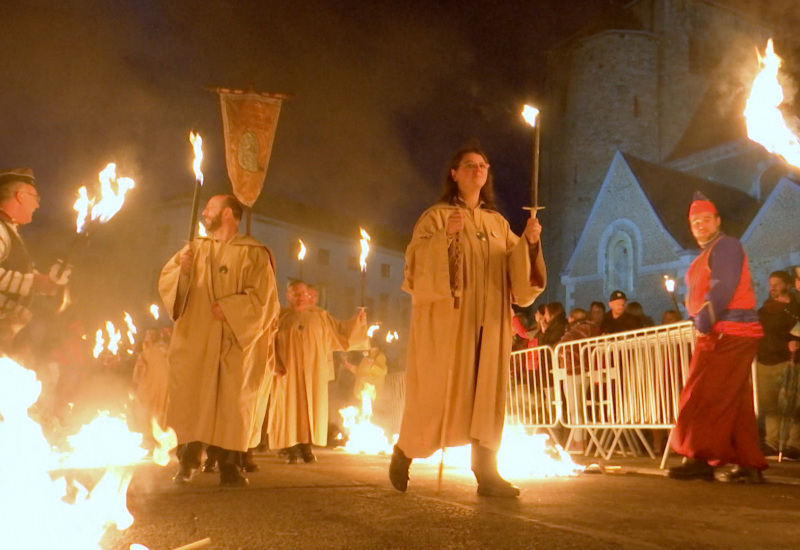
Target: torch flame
{"type": "Point", "coordinates": [201, 230]}
{"type": "Point", "coordinates": [114, 337]}
{"type": "Point", "coordinates": [391, 336]}
{"type": "Point", "coordinates": [99, 343]}
{"type": "Point", "coordinates": [530, 114]}
{"type": "Point", "coordinates": [110, 201]}
{"type": "Point", "coordinates": [131, 327]}
{"type": "Point", "coordinates": [371, 330]}
{"type": "Point", "coordinates": [302, 253]}
{"type": "Point", "coordinates": [197, 145]}
{"type": "Point", "coordinates": [765, 122]}
{"type": "Point", "coordinates": [364, 249]}
{"type": "Point", "coordinates": [154, 311]}
{"type": "Point", "coordinates": [669, 283]}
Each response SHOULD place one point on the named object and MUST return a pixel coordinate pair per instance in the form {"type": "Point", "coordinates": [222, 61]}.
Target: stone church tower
{"type": "Point", "coordinates": [632, 83]}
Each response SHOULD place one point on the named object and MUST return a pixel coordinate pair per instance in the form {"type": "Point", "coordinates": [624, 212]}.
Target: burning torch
{"type": "Point", "coordinates": [300, 255]}
{"type": "Point", "coordinates": [197, 145]}
{"type": "Point", "coordinates": [669, 284]}
{"type": "Point", "coordinates": [363, 263]}
{"type": "Point", "coordinates": [93, 212]}
{"type": "Point", "coordinates": [531, 116]}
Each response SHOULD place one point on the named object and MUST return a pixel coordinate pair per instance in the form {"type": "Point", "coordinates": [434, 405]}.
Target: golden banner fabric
{"type": "Point", "coordinates": [248, 122]}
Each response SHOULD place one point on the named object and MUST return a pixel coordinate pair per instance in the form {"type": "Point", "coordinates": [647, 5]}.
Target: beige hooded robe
{"type": "Point", "coordinates": [303, 345]}
{"type": "Point", "coordinates": [441, 379]}
{"type": "Point", "coordinates": [220, 370]}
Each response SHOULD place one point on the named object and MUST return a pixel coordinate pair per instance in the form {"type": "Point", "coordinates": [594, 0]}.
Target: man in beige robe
{"type": "Point", "coordinates": [307, 336]}
{"type": "Point", "coordinates": [464, 268]}
{"type": "Point", "coordinates": [221, 293]}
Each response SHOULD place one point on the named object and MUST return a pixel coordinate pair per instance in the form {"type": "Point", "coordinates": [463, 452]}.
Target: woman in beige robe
{"type": "Point", "coordinates": [464, 268]}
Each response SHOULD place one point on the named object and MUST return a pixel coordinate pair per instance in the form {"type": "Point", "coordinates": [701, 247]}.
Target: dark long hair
{"type": "Point", "coordinates": [450, 188]}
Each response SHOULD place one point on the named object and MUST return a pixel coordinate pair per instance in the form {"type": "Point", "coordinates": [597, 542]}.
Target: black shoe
{"type": "Point", "coordinates": [743, 474]}
{"type": "Point", "coordinates": [498, 487]}
{"type": "Point", "coordinates": [230, 476]}
{"type": "Point", "coordinates": [184, 476]}
{"type": "Point", "coordinates": [693, 469]}
{"type": "Point", "coordinates": [210, 467]}
{"type": "Point", "coordinates": [307, 454]}
{"type": "Point", "coordinates": [398, 470]}
{"type": "Point", "coordinates": [292, 454]}
{"type": "Point", "coordinates": [251, 467]}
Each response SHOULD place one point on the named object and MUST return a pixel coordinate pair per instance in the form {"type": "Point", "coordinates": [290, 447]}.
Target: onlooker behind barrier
{"type": "Point", "coordinates": [671, 316]}
{"type": "Point", "coordinates": [556, 324]}
{"type": "Point", "coordinates": [596, 312]}
{"type": "Point", "coordinates": [617, 319]}
{"type": "Point", "coordinates": [636, 309]}
{"type": "Point", "coordinates": [580, 327]}
{"type": "Point", "coordinates": [776, 352]}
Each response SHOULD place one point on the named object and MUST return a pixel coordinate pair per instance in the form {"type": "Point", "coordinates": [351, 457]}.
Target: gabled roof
{"type": "Point", "coordinates": [670, 193]}
{"type": "Point", "coordinates": [711, 124]}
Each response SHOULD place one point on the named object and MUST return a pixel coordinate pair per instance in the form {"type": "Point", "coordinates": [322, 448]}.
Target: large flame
{"type": "Point", "coordinates": [765, 122]}
{"type": "Point", "coordinates": [110, 200]}
{"type": "Point", "coordinates": [364, 437]}
{"type": "Point", "coordinates": [197, 145]}
{"type": "Point", "coordinates": [302, 253]}
{"type": "Point", "coordinates": [530, 114]}
{"type": "Point", "coordinates": [364, 249]}
{"type": "Point", "coordinates": [41, 509]}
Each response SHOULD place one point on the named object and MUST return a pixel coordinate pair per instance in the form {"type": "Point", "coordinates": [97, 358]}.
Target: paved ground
{"type": "Point", "coordinates": [345, 501]}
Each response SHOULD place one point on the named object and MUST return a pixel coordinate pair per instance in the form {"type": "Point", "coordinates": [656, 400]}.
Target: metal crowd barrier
{"type": "Point", "coordinates": [610, 387]}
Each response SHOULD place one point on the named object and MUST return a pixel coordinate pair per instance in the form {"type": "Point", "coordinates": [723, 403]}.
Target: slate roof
{"type": "Point", "coordinates": [670, 193]}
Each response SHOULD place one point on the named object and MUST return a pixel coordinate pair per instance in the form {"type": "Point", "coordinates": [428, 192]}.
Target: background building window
{"type": "Point", "coordinates": [619, 264]}
{"type": "Point", "coordinates": [386, 271]}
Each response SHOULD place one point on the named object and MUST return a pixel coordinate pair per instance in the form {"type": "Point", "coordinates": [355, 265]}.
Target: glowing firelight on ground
{"type": "Point", "coordinates": [114, 337]}
{"type": "Point", "coordinates": [99, 343]}
{"type": "Point", "coordinates": [765, 121]}
{"type": "Point", "coordinates": [40, 508]}
{"type": "Point", "coordinates": [364, 437]}
{"type": "Point", "coordinates": [521, 456]}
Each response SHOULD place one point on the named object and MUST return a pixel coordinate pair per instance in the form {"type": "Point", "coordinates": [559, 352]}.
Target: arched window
{"type": "Point", "coordinates": [619, 264]}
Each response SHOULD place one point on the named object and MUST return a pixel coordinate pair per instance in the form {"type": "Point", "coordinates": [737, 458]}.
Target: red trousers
{"type": "Point", "coordinates": [716, 421]}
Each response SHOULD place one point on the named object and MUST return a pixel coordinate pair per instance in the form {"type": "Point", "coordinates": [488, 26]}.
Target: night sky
{"type": "Point", "coordinates": [383, 93]}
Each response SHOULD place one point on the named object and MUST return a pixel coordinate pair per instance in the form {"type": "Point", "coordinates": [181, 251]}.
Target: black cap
{"type": "Point", "coordinates": [617, 295]}
{"type": "Point", "coordinates": [12, 175]}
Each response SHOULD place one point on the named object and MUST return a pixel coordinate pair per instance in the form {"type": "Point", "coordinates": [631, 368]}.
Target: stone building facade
{"type": "Point", "coordinates": [634, 83]}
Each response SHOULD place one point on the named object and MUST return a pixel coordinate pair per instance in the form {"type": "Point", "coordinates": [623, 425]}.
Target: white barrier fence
{"type": "Point", "coordinates": [609, 387]}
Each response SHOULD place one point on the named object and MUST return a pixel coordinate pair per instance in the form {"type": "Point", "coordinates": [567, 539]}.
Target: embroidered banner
{"type": "Point", "coordinates": [248, 122]}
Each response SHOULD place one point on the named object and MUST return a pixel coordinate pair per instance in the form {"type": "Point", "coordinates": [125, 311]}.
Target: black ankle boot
{"type": "Point", "coordinates": [307, 453]}
{"type": "Point", "coordinates": [398, 470]}
{"type": "Point", "coordinates": [490, 484]}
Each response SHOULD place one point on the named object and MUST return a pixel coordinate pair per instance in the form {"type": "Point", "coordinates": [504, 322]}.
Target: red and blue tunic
{"type": "Point", "coordinates": [720, 295]}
